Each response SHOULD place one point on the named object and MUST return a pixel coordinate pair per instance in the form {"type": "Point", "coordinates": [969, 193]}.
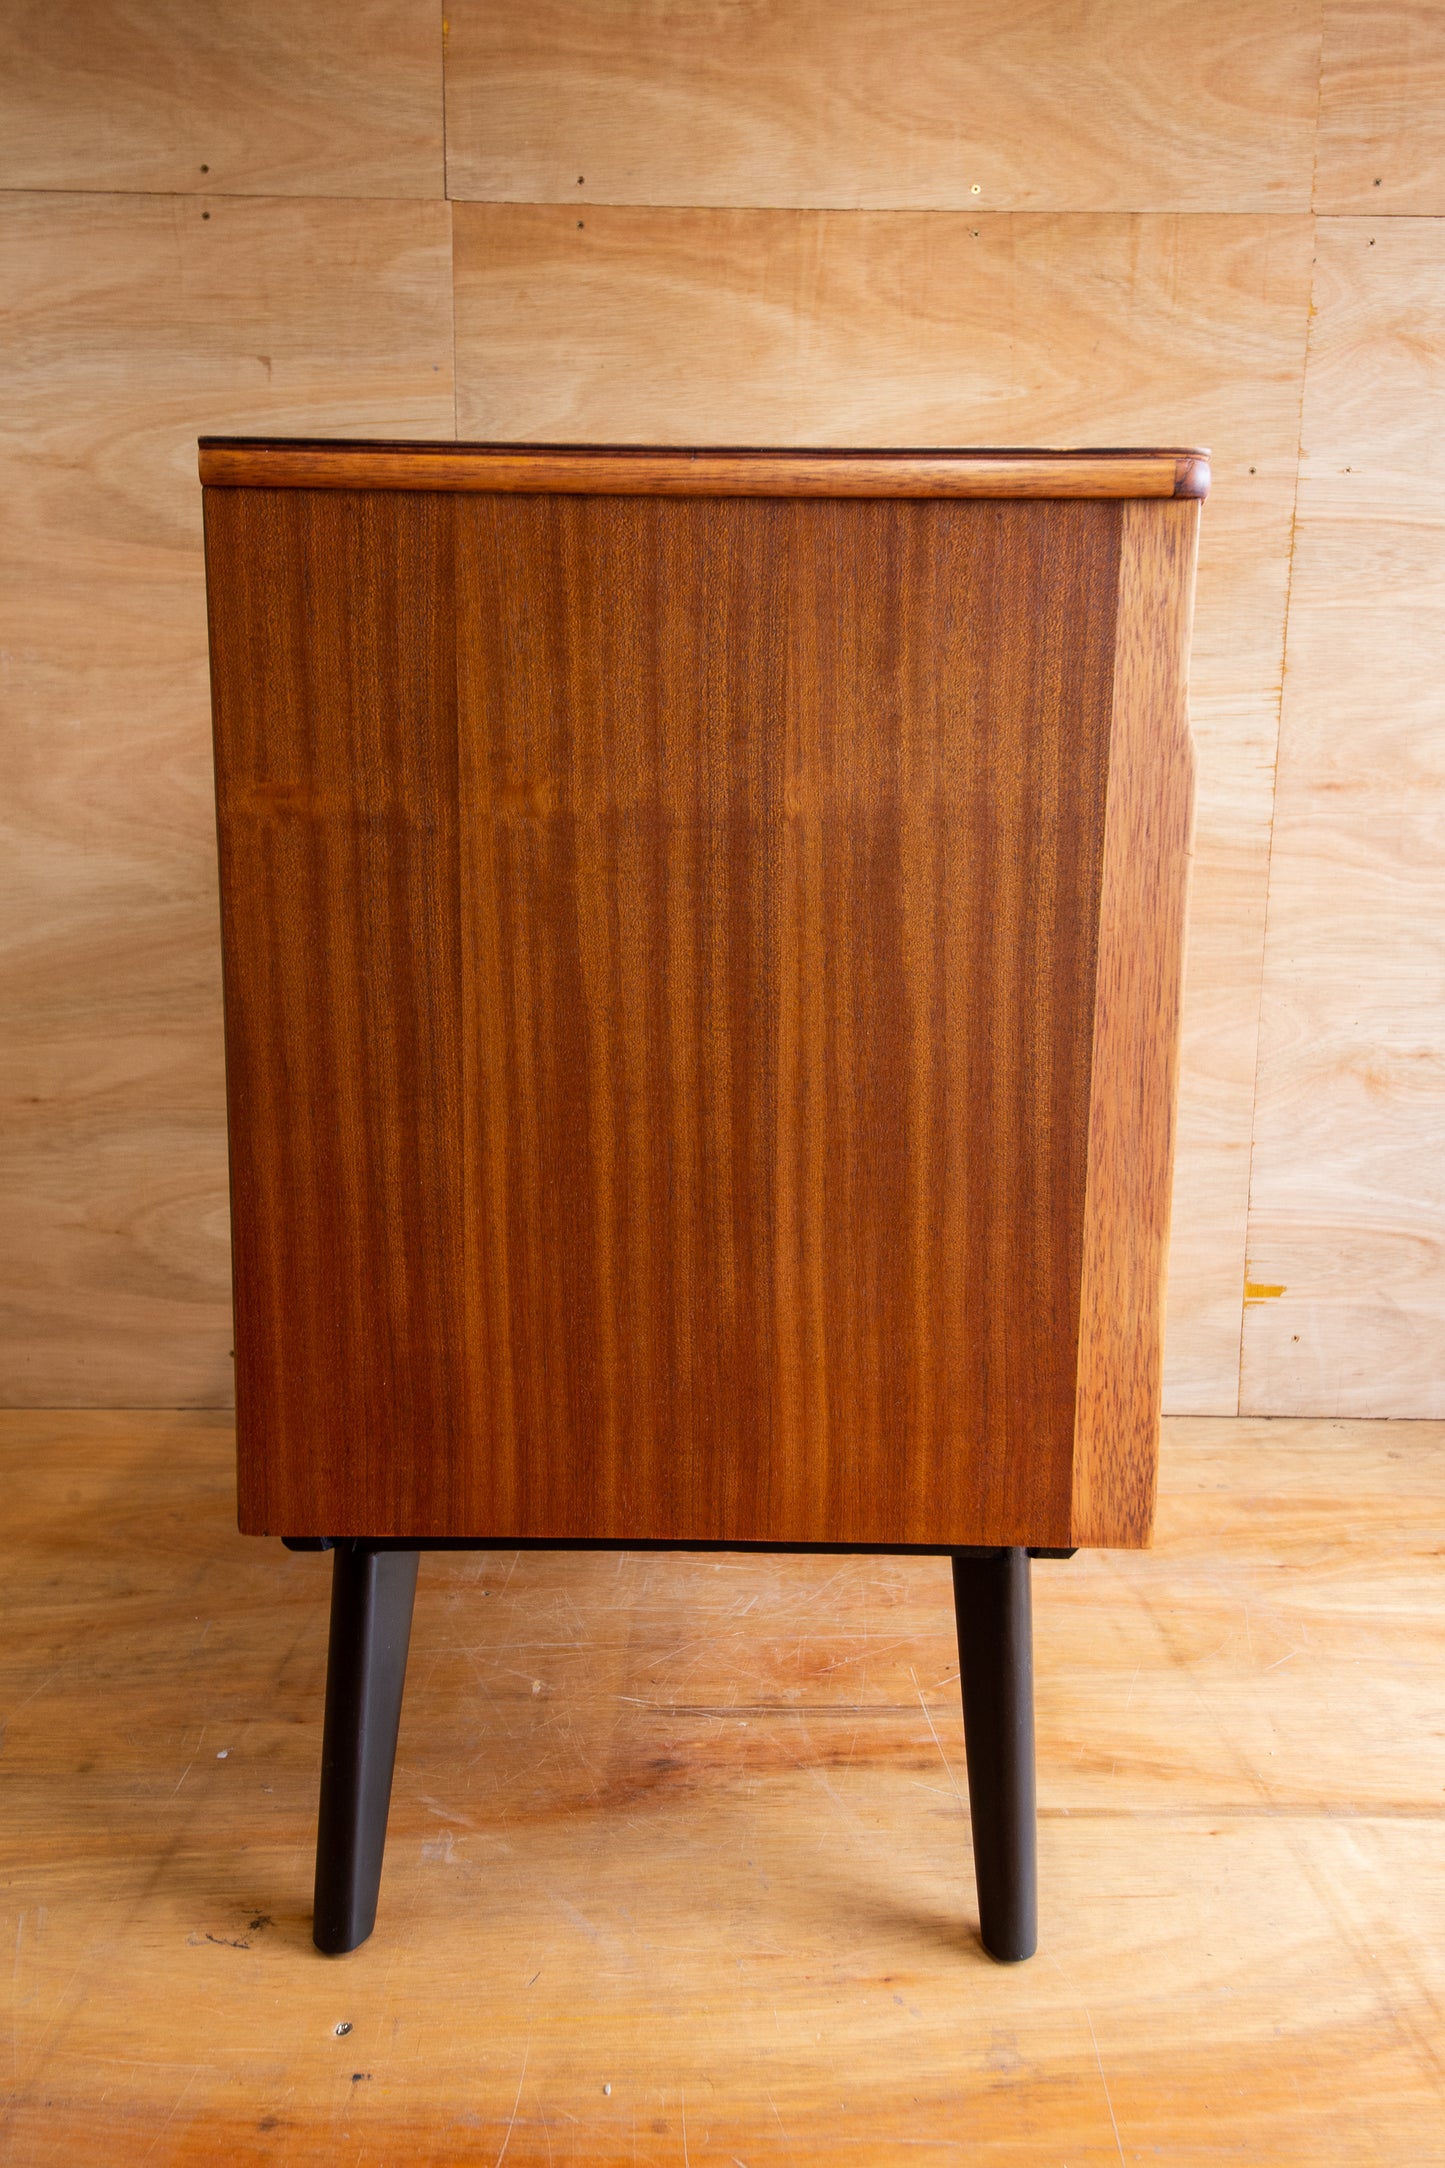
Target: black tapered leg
{"type": "Point", "coordinates": [996, 1661]}
{"type": "Point", "coordinates": [371, 1604]}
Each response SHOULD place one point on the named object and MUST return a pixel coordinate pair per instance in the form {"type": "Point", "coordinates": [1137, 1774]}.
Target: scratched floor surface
{"type": "Point", "coordinates": [679, 1868]}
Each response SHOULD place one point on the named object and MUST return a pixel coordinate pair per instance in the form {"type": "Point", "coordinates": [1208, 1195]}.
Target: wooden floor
{"type": "Point", "coordinates": [679, 1864]}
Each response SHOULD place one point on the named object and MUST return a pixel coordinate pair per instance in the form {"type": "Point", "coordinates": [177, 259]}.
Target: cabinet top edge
{"type": "Point", "coordinates": [720, 471]}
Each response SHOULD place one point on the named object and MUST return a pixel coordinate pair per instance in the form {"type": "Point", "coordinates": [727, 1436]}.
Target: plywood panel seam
{"type": "Point", "coordinates": [444, 28]}
{"type": "Point", "coordinates": [959, 213]}
{"type": "Point", "coordinates": [1315, 130]}
{"type": "Point", "coordinates": [1240, 1408]}
{"type": "Point", "coordinates": [1331, 219]}
{"type": "Point", "coordinates": [10, 193]}
{"type": "Point", "coordinates": [452, 304]}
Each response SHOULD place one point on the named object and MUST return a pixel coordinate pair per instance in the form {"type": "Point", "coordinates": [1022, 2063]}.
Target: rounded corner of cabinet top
{"type": "Point", "coordinates": [1192, 476]}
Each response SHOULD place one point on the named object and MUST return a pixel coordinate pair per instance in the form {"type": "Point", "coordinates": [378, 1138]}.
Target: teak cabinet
{"type": "Point", "coordinates": [702, 940]}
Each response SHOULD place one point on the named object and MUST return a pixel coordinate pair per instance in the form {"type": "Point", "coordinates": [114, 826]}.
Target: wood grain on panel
{"type": "Point", "coordinates": [342, 942]}
{"type": "Point", "coordinates": [645, 1805]}
{"type": "Point", "coordinates": [132, 325]}
{"type": "Point", "coordinates": [1348, 1201]}
{"type": "Point", "coordinates": [1136, 1030]}
{"type": "Point", "coordinates": [914, 105]}
{"type": "Point", "coordinates": [1382, 108]}
{"type": "Point", "coordinates": [807, 328]}
{"type": "Point", "coordinates": [733, 472]}
{"type": "Point", "coordinates": [803, 327]}
{"type": "Point", "coordinates": [257, 97]}
{"type": "Point", "coordinates": [781, 826]}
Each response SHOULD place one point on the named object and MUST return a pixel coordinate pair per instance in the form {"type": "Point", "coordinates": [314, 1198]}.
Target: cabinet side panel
{"type": "Point", "coordinates": [1136, 1032]}
{"type": "Point", "coordinates": [781, 863]}
{"type": "Point", "coordinates": [333, 674]}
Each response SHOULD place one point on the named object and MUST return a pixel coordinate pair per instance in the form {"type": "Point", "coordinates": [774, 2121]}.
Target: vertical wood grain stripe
{"type": "Point", "coordinates": [333, 646]}
{"type": "Point", "coordinates": [1136, 1031]}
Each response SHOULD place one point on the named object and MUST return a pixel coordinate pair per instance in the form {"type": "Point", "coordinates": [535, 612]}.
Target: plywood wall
{"type": "Point", "coordinates": [791, 221]}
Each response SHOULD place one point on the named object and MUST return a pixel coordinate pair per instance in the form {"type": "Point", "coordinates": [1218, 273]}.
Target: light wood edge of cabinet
{"type": "Point", "coordinates": [1147, 835]}
{"type": "Point", "coordinates": [599, 472]}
